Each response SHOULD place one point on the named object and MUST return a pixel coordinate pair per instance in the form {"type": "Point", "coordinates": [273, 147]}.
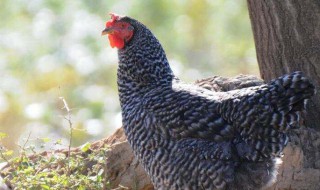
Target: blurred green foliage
{"type": "Point", "coordinates": [53, 48]}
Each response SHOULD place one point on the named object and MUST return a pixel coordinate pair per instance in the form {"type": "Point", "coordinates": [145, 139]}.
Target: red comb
{"type": "Point", "coordinates": [114, 17]}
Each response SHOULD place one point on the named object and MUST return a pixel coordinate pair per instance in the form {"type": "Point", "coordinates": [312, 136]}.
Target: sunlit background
{"type": "Point", "coordinates": [54, 48]}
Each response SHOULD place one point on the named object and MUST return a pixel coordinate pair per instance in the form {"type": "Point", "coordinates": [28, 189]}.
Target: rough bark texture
{"type": "Point", "coordinates": [287, 38]}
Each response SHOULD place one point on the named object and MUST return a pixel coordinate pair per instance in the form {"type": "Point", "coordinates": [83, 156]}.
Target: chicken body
{"type": "Point", "coordinates": [188, 137]}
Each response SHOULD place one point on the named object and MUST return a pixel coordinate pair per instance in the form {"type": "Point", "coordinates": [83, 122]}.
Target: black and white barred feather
{"type": "Point", "coordinates": [187, 136]}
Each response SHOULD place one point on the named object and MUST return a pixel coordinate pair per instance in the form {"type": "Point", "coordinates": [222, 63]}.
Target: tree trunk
{"type": "Point", "coordinates": [287, 39]}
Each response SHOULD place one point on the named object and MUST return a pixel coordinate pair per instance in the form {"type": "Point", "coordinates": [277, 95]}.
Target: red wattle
{"type": "Point", "coordinates": [116, 41]}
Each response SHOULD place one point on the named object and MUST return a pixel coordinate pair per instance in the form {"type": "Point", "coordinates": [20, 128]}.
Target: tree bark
{"type": "Point", "coordinates": [287, 39]}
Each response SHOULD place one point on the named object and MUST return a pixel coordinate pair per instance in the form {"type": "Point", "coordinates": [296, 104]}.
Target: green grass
{"type": "Point", "coordinates": [85, 168]}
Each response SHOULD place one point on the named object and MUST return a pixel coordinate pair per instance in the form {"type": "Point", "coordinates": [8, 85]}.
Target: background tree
{"type": "Point", "coordinates": [287, 38]}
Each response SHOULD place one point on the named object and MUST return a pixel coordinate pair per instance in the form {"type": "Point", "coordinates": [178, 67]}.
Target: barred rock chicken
{"type": "Point", "coordinates": [189, 137]}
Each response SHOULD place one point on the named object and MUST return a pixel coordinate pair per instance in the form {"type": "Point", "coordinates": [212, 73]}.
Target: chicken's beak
{"type": "Point", "coordinates": [107, 31]}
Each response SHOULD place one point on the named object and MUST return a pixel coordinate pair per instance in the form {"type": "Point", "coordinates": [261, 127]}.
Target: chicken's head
{"type": "Point", "coordinates": [119, 32]}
